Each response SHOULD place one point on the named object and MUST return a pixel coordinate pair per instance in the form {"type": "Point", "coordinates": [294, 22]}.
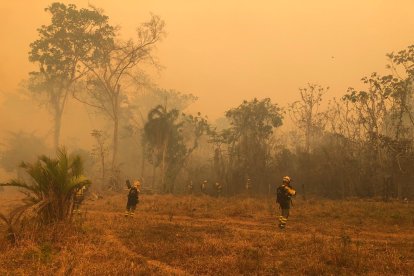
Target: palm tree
{"type": "Point", "coordinates": [158, 132]}
{"type": "Point", "coordinates": [54, 183]}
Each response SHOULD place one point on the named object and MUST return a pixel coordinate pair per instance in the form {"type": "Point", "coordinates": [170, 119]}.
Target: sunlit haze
{"type": "Point", "coordinates": [227, 51]}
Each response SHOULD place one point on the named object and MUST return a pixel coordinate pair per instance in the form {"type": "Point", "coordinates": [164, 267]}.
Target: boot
{"type": "Point", "coordinates": [282, 222]}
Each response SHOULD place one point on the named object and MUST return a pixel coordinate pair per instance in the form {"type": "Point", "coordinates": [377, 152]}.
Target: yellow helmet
{"type": "Point", "coordinates": [137, 183]}
{"type": "Point", "coordinates": [287, 179]}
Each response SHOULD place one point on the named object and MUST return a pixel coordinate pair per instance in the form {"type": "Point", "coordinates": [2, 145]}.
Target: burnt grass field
{"type": "Point", "coordinates": [200, 235]}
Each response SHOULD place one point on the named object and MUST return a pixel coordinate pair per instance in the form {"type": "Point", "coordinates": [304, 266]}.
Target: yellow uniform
{"type": "Point", "coordinates": [284, 198]}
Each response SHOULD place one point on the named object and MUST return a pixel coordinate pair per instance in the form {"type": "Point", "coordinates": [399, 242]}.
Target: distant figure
{"type": "Point", "coordinates": [248, 186]}
{"type": "Point", "coordinates": [79, 197]}
{"type": "Point", "coordinates": [133, 198]}
{"type": "Point", "coordinates": [218, 188]}
{"type": "Point", "coordinates": [190, 187]}
{"type": "Point", "coordinates": [284, 195]}
{"type": "Point", "coordinates": [204, 186]}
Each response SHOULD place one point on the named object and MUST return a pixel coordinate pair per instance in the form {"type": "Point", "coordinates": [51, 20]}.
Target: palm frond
{"type": "Point", "coordinates": [77, 166]}
{"type": "Point", "coordinates": [19, 184]}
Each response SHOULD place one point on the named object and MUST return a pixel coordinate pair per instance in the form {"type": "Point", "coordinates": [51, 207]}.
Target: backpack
{"type": "Point", "coordinates": [282, 195]}
{"type": "Point", "coordinates": [133, 193]}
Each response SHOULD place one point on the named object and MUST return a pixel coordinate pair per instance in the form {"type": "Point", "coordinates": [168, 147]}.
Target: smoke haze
{"type": "Point", "coordinates": [221, 51]}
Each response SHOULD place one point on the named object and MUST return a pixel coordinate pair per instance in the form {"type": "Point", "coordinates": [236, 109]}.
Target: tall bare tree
{"type": "Point", "coordinates": [100, 149]}
{"type": "Point", "coordinates": [306, 112]}
{"type": "Point", "coordinates": [110, 72]}
{"type": "Point", "coordinates": [310, 120]}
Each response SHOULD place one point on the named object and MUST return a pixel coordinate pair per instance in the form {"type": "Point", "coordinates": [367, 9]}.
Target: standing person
{"type": "Point", "coordinates": [218, 189]}
{"type": "Point", "coordinates": [284, 195]}
{"type": "Point", "coordinates": [79, 197]}
{"type": "Point", "coordinates": [190, 187]}
{"type": "Point", "coordinates": [203, 186]}
{"type": "Point", "coordinates": [248, 187]}
{"type": "Point", "coordinates": [133, 198]}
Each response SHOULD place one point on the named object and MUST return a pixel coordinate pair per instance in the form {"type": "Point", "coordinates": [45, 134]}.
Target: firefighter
{"type": "Point", "coordinates": [218, 189]}
{"type": "Point", "coordinates": [204, 186]}
{"type": "Point", "coordinates": [133, 198]}
{"type": "Point", "coordinates": [248, 187]}
{"type": "Point", "coordinates": [284, 194]}
{"type": "Point", "coordinates": [79, 197]}
{"type": "Point", "coordinates": [190, 187]}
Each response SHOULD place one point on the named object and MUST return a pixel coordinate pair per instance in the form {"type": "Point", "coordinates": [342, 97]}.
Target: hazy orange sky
{"type": "Point", "coordinates": [224, 51]}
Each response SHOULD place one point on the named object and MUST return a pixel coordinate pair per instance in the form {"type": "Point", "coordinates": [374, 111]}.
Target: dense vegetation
{"type": "Point", "coordinates": [358, 145]}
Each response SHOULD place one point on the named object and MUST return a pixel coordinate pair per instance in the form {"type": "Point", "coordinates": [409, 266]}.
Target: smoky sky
{"type": "Point", "coordinates": [225, 51]}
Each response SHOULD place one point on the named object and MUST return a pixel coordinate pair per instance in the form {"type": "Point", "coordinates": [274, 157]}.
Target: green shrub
{"type": "Point", "coordinates": [50, 193]}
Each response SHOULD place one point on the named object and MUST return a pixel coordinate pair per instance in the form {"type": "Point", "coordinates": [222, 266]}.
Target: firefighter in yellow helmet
{"type": "Point", "coordinates": [284, 195]}
{"type": "Point", "coordinates": [133, 197]}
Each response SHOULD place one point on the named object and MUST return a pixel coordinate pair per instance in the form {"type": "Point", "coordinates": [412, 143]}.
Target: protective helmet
{"type": "Point", "coordinates": [137, 183]}
{"type": "Point", "coordinates": [286, 179]}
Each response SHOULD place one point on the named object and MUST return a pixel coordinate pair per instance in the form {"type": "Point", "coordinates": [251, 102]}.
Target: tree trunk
{"type": "Point", "coordinates": [303, 191]}
{"type": "Point", "coordinates": [308, 133]}
{"type": "Point", "coordinates": [116, 126]}
{"type": "Point", "coordinates": [57, 127]}
{"type": "Point", "coordinates": [143, 160]}
{"type": "Point", "coordinates": [115, 143]}
{"type": "Point", "coordinates": [164, 153]}
{"type": "Point", "coordinates": [153, 176]}
{"type": "Point", "coordinates": [307, 176]}
{"type": "Point", "coordinates": [103, 167]}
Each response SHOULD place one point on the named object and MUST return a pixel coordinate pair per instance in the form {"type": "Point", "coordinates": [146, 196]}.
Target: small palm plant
{"type": "Point", "coordinates": [52, 186]}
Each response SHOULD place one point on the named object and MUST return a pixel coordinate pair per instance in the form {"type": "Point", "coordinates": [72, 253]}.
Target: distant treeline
{"type": "Point", "coordinates": [358, 145]}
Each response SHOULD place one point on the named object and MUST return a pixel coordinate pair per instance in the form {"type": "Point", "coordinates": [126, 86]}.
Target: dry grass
{"type": "Point", "coordinates": [226, 236]}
